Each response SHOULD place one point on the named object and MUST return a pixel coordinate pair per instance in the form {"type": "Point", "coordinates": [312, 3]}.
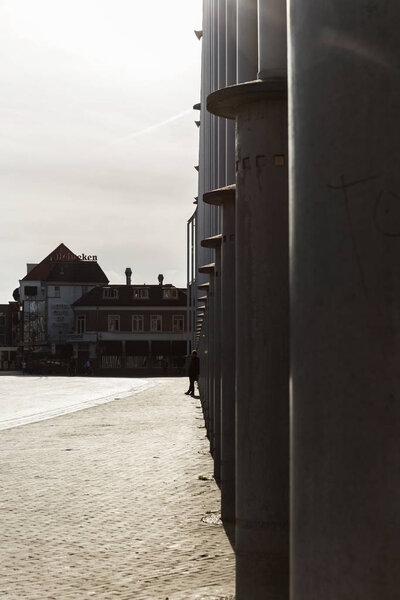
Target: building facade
{"type": "Point", "coordinates": [46, 294]}
{"type": "Point", "coordinates": [68, 315]}
{"type": "Point", "coordinates": [132, 329]}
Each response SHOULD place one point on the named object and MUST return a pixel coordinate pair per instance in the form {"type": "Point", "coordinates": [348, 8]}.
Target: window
{"type": "Point", "coordinates": [136, 362]}
{"type": "Point", "coordinates": [57, 291]}
{"type": "Point", "coordinates": [178, 323]}
{"type": "Point", "coordinates": [156, 323]}
{"type": "Point", "coordinates": [142, 293]}
{"type": "Point", "coordinates": [2, 320]}
{"type": "Point", "coordinates": [110, 362]}
{"type": "Point", "coordinates": [170, 293]}
{"type": "Point", "coordinates": [81, 324]}
{"type": "Point", "coordinates": [113, 322]}
{"type": "Point", "coordinates": [137, 323]}
{"type": "Point", "coordinates": [109, 292]}
{"type": "Point", "coordinates": [2, 339]}
{"type": "Point", "coordinates": [30, 291]}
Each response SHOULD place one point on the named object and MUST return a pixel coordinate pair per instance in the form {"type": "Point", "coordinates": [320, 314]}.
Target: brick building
{"type": "Point", "coordinates": [137, 329]}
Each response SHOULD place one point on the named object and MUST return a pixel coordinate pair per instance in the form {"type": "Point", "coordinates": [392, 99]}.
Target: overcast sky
{"type": "Point", "coordinates": [97, 135]}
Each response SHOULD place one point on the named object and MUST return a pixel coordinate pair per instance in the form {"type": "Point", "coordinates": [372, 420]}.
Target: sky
{"type": "Point", "coordinates": [97, 136]}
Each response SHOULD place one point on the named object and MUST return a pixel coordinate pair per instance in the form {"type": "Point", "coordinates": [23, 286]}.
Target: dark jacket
{"type": "Point", "coordinates": [194, 367]}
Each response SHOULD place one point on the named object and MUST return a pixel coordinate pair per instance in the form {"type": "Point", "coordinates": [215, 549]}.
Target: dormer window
{"type": "Point", "coordinates": [141, 293]}
{"type": "Point", "coordinates": [170, 294]}
{"type": "Point", "coordinates": [109, 292]}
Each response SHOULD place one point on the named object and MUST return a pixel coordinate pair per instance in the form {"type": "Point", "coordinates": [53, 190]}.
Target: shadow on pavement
{"type": "Point", "coordinates": [229, 528]}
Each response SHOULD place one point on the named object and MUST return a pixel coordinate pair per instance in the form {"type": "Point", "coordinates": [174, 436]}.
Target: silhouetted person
{"type": "Point", "coordinates": [87, 368]}
{"type": "Point", "coordinates": [72, 366]}
{"type": "Point", "coordinates": [193, 372]}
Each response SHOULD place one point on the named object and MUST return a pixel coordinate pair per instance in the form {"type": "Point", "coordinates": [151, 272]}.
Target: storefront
{"type": "Point", "coordinates": [8, 358]}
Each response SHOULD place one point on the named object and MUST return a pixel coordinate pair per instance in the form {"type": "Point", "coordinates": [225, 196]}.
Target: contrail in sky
{"type": "Point", "coordinates": [153, 127]}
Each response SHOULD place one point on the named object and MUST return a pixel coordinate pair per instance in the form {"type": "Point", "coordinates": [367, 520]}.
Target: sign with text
{"type": "Point", "coordinates": [72, 257]}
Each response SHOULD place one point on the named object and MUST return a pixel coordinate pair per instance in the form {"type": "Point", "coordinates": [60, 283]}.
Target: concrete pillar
{"type": "Point", "coordinates": [246, 41]}
{"type": "Point", "coordinates": [214, 119]}
{"type": "Point", "coordinates": [230, 38]}
{"type": "Point", "coordinates": [262, 332]}
{"type": "Point", "coordinates": [203, 223]}
{"type": "Point", "coordinates": [230, 80]}
{"type": "Point", "coordinates": [345, 278]}
{"type": "Point", "coordinates": [221, 83]}
{"type": "Point", "coordinates": [225, 198]}
{"type": "Point", "coordinates": [189, 288]}
{"type": "Point", "coordinates": [272, 39]}
{"type": "Point", "coordinates": [215, 243]}
{"type": "Point", "coordinates": [210, 271]}
{"type": "Point", "coordinates": [204, 359]}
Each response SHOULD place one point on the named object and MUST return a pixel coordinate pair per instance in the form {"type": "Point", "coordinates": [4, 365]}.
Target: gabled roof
{"type": "Point", "coordinates": [63, 266]}
{"type": "Point", "coordinates": [126, 297]}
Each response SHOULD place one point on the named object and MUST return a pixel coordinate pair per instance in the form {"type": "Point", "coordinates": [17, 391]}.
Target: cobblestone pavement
{"type": "Point", "coordinates": [107, 503]}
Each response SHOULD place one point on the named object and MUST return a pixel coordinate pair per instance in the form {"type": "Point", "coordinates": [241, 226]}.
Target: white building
{"type": "Point", "coordinates": [47, 292]}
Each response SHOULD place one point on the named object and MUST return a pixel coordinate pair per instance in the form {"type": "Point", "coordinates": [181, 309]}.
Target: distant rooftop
{"type": "Point", "coordinates": [63, 266]}
{"type": "Point", "coordinates": [134, 295]}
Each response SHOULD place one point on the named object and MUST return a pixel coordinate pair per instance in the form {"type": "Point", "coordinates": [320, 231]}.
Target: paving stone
{"type": "Point", "coordinates": [106, 503]}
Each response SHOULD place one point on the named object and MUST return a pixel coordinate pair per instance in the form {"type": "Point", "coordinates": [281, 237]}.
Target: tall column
{"type": "Point", "coordinates": [230, 80]}
{"type": "Point", "coordinates": [262, 335]}
{"type": "Point", "coordinates": [210, 384]}
{"type": "Point", "coordinates": [215, 243]}
{"type": "Point", "coordinates": [193, 304]}
{"type": "Point", "coordinates": [214, 119]}
{"type": "Point", "coordinates": [221, 84]}
{"type": "Point", "coordinates": [272, 39]}
{"type": "Point", "coordinates": [189, 289]}
{"type": "Point", "coordinates": [225, 197]}
{"type": "Point", "coordinates": [211, 369]}
{"type": "Point", "coordinates": [262, 350]}
{"type": "Point", "coordinates": [246, 43]}
{"type": "Point", "coordinates": [204, 359]}
{"type": "Point", "coordinates": [345, 278]}
{"type": "Point", "coordinates": [205, 175]}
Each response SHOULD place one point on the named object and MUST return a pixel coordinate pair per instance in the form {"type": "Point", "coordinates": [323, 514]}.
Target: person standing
{"type": "Point", "coordinates": [87, 367]}
{"type": "Point", "coordinates": [72, 367]}
{"type": "Point", "coordinates": [193, 372]}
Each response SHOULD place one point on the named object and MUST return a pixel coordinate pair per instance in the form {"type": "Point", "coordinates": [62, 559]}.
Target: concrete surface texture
{"type": "Point", "coordinates": [30, 398]}
{"type": "Point", "coordinates": [107, 503]}
{"type": "Point", "coordinates": [345, 290]}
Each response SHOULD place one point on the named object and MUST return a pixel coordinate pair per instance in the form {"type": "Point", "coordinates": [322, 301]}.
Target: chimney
{"type": "Point", "coordinates": [160, 279]}
{"type": "Point", "coordinates": [30, 266]}
{"type": "Point", "coordinates": [128, 275]}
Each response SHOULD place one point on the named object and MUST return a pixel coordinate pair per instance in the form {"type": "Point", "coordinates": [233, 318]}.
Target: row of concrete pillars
{"type": "Point", "coordinates": [246, 333]}
{"type": "Point", "coordinates": [298, 304]}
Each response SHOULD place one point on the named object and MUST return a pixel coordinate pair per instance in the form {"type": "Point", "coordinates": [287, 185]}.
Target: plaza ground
{"type": "Point", "coordinates": [30, 398]}
{"type": "Point", "coordinates": [107, 503]}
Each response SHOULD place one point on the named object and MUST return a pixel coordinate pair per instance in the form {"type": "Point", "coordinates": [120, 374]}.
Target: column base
{"type": "Point", "coordinates": [228, 101]}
